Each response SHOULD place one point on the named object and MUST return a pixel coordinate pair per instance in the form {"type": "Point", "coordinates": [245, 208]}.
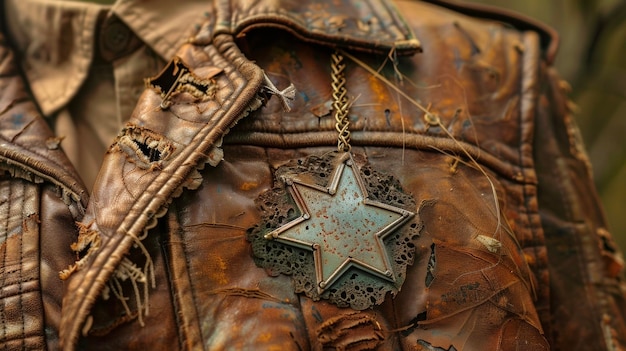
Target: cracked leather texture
{"type": "Point", "coordinates": [513, 253]}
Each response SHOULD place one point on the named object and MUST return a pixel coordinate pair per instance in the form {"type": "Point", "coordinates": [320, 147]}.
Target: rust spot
{"type": "Point", "coordinates": [248, 186]}
{"type": "Point", "coordinates": [264, 337]}
{"type": "Point", "coordinates": [217, 271]}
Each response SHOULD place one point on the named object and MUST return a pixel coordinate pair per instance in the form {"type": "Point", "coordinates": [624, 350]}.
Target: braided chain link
{"type": "Point", "coordinates": [340, 102]}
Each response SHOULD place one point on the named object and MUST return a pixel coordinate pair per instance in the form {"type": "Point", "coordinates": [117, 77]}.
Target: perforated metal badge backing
{"type": "Point", "coordinates": [343, 233]}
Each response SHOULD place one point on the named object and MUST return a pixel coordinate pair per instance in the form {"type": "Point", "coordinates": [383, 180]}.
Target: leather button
{"type": "Point", "coordinates": [116, 39]}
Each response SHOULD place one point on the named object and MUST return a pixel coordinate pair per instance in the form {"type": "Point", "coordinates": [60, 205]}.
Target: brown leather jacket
{"type": "Point", "coordinates": [456, 116]}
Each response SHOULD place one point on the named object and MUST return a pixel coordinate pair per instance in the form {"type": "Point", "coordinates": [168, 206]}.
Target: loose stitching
{"type": "Point", "coordinates": [413, 141]}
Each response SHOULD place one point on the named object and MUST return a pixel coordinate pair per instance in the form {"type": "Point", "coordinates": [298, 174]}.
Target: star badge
{"type": "Point", "coordinates": [342, 226]}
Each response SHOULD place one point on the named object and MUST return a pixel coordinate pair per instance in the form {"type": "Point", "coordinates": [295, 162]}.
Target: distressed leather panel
{"type": "Point", "coordinates": [586, 266]}
{"type": "Point", "coordinates": [474, 83]}
{"type": "Point", "coordinates": [131, 192]}
{"type": "Point", "coordinates": [470, 74]}
{"type": "Point", "coordinates": [20, 299]}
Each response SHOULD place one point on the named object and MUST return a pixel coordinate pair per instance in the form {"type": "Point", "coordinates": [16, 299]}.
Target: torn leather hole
{"type": "Point", "coordinates": [177, 78]}
{"type": "Point", "coordinates": [432, 264]}
{"type": "Point", "coordinates": [143, 147]}
{"type": "Point", "coordinates": [613, 261]}
{"type": "Point", "coordinates": [414, 323]}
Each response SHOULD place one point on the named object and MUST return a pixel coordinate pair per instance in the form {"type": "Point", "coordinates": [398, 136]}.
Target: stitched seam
{"type": "Point", "coordinates": [183, 323]}
{"type": "Point", "coordinates": [377, 139]}
{"type": "Point", "coordinates": [22, 283]}
{"type": "Point", "coordinates": [33, 151]}
{"type": "Point", "coordinates": [6, 341]}
{"type": "Point", "coordinates": [20, 288]}
{"type": "Point", "coordinates": [5, 231]}
{"type": "Point", "coordinates": [523, 118]}
{"type": "Point", "coordinates": [4, 257]}
{"type": "Point", "coordinates": [183, 247]}
{"type": "Point", "coordinates": [50, 178]}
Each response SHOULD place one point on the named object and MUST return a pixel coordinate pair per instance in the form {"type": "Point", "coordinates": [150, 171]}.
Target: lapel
{"type": "Point", "coordinates": [28, 148]}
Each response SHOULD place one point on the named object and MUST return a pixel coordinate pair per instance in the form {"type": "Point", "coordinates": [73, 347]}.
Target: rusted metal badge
{"type": "Point", "coordinates": [341, 232]}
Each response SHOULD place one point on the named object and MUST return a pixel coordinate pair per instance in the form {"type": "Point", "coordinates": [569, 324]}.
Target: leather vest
{"type": "Point", "coordinates": [454, 109]}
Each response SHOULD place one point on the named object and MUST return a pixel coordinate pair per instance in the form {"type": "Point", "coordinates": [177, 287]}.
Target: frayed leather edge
{"type": "Point", "coordinates": [87, 243]}
{"type": "Point", "coordinates": [69, 197]}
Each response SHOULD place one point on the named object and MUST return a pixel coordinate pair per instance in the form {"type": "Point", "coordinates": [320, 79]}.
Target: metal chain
{"type": "Point", "coordinates": [340, 102]}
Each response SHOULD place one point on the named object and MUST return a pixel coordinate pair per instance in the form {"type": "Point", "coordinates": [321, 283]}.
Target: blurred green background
{"type": "Point", "coordinates": [592, 58]}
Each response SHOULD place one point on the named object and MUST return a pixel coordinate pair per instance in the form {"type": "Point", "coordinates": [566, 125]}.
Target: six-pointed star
{"type": "Point", "coordinates": [342, 226]}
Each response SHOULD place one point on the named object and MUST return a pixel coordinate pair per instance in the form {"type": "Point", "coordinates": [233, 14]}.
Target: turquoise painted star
{"type": "Point", "coordinates": [341, 226]}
